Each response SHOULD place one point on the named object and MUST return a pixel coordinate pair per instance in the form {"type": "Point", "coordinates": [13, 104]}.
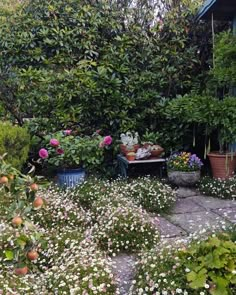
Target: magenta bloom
{"type": "Point", "coordinates": [54, 142]}
{"type": "Point", "coordinates": [43, 153]}
{"type": "Point", "coordinates": [68, 132]}
{"type": "Point", "coordinates": [107, 140]}
{"type": "Point", "coordinates": [60, 151]}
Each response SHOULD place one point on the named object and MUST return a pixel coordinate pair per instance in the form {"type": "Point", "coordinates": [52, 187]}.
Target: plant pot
{"type": "Point", "coordinates": [124, 151]}
{"type": "Point", "coordinates": [156, 153]}
{"type": "Point", "coordinates": [222, 165]}
{"type": "Point", "coordinates": [181, 178]}
{"type": "Point", "coordinates": [70, 177]}
{"type": "Point", "coordinates": [130, 158]}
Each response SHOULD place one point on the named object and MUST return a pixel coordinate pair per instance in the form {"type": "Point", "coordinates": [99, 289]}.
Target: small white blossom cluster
{"type": "Point", "coordinates": [220, 188]}
{"type": "Point", "coordinates": [147, 192]}
{"type": "Point", "coordinates": [121, 226]}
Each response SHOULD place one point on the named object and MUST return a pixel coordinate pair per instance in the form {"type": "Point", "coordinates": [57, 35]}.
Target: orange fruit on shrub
{"type": "Point", "coordinates": [21, 271]}
{"type": "Point", "coordinates": [32, 255]}
{"type": "Point", "coordinates": [38, 202]}
{"type": "Point", "coordinates": [34, 187]}
{"type": "Point", "coordinates": [3, 180]}
{"type": "Point", "coordinates": [17, 221]}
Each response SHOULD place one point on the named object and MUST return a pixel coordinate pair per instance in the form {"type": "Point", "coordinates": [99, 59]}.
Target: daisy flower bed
{"type": "Point", "coordinates": [219, 188]}
{"type": "Point", "coordinates": [62, 242]}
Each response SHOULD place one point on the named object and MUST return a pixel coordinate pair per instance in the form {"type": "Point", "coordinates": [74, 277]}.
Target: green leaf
{"type": "Point", "coordinates": [9, 255]}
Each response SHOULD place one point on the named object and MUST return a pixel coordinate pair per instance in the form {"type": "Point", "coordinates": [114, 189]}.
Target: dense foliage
{"type": "Point", "coordinates": [14, 141]}
{"type": "Point", "coordinates": [207, 113]}
{"type": "Point", "coordinates": [225, 56]}
{"type": "Point", "coordinates": [86, 63]}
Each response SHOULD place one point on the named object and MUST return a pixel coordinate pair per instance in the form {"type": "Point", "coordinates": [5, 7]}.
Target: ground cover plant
{"type": "Point", "coordinates": [63, 238]}
{"type": "Point", "coordinates": [148, 192]}
{"type": "Point", "coordinates": [219, 188]}
{"type": "Point", "coordinates": [200, 266]}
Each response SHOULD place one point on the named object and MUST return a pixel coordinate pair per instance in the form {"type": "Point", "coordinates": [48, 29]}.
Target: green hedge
{"type": "Point", "coordinates": [14, 141]}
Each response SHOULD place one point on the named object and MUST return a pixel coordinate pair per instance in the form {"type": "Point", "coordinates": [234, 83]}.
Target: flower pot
{"type": "Point", "coordinates": [70, 177]}
{"type": "Point", "coordinates": [156, 153]}
{"type": "Point", "coordinates": [222, 165]}
{"type": "Point", "coordinates": [181, 178]}
{"type": "Point", "coordinates": [124, 151]}
{"type": "Point", "coordinates": [130, 157]}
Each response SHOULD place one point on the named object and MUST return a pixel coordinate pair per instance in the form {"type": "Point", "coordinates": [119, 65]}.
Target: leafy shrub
{"type": "Point", "coordinates": [14, 141]}
{"type": "Point", "coordinates": [220, 188]}
{"type": "Point", "coordinates": [202, 267]}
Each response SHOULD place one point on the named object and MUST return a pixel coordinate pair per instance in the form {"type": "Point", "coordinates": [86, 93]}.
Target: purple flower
{"type": "Point", "coordinates": [54, 142]}
{"type": "Point", "coordinates": [43, 153]}
{"type": "Point", "coordinates": [60, 151]}
{"type": "Point", "coordinates": [107, 140]}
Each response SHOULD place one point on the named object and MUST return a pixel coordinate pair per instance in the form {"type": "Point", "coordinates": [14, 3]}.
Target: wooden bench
{"type": "Point", "coordinates": [123, 164]}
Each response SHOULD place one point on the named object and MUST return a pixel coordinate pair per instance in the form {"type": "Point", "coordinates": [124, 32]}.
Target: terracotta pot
{"type": "Point", "coordinates": [156, 153]}
{"type": "Point", "coordinates": [130, 157]}
{"type": "Point", "coordinates": [124, 151]}
{"type": "Point", "coordinates": [222, 165]}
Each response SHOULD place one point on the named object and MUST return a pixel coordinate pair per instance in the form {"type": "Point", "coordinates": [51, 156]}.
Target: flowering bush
{"type": "Point", "coordinates": [150, 193]}
{"type": "Point", "coordinates": [199, 268]}
{"type": "Point", "coordinates": [65, 150]}
{"type": "Point", "coordinates": [184, 162]}
{"type": "Point", "coordinates": [220, 188]}
{"type": "Point", "coordinates": [123, 227]}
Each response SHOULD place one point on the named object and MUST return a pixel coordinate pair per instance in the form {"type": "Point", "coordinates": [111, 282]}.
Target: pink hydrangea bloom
{"type": "Point", "coordinates": [60, 151]}
{"type": "Point", "coordinates": [54, 142]}
{"type": "Point", "coordinates": [68, 132]}
{"type": "Point", "coordinates": [107, 140]}
{"type": "Point", "coordinates": [43, 153]}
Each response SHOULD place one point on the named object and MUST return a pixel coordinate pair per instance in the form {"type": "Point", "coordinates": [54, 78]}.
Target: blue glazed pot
{"type": "Point", "coordinates": [70, 177]}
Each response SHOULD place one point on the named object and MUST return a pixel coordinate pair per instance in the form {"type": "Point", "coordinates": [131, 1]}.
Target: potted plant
{"type": "Point", "coordinates": [214, 117]}
{"type": "Point", "coordinates": [184, 169]}
{"type": "Point", "coordinates": [71, 155]}
{"type": "Point", "coordinates": [156, 150]}
{"type": "Point", "coordinates": [129, 140]}
{"type": "Point", "coordinates": [130, 156]}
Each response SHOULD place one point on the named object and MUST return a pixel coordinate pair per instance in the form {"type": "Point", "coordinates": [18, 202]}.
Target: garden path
{"type": "Point", "coordinates": [191, 212]}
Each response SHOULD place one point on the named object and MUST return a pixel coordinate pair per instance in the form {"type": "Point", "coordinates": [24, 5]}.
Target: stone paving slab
{"type": "Point", "coordinates": [123, 267]}
{"type": "Point", "coordinates": [186, 206]}
{"type": "Point", "coordinates": [168, 229]}
{"type": "Point", "coordinates": [212, 203]}
{"type": "Point", "coordinates": [194, 221]}
{"type": "Point", "coordinates": [227, 213]}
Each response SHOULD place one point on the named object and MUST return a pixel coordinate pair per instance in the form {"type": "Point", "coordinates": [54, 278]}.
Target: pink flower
{"type": "Point", "coordinates": [68, 132]}
{"type": "Point", "coordinates": [43, 153]}
{"type": "Point", "coordinates": [107, 140]}
{"type": "Point", "coordinates": [54, 142]}
{"type": "Point", "coordinates": [98, 131]}
{"type": "Point", "coordinates": [60, 151]}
